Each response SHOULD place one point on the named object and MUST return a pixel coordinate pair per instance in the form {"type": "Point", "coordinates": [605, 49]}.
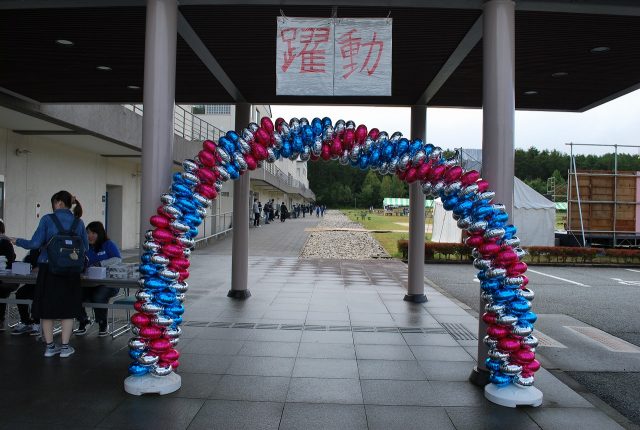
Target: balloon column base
{"type": "Point", "coordinates": [513, 395]}
{"type": "Point", "coordinates": [150, 384]}
{"type": "Point", "coordinates": [415, 298]}
{"type": "Point", "coordinates": [239, 294]}
{"type": "Point", "coordinates": [479, 377]}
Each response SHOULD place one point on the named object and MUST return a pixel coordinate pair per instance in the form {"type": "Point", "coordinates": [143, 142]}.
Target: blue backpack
{"type": "Point", "coordinates": [65, 249]}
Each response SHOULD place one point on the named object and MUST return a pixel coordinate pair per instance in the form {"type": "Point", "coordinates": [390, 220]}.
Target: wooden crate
{"type": "Point", "coordinates": [597, 201]}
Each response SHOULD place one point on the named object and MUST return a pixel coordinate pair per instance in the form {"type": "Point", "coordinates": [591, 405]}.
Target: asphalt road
{"type": "Point", "coordinates": [605, 298]}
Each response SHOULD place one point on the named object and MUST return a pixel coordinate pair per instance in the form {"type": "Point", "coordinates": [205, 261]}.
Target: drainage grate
{"type": "Point", "coordinates": [410, 329]}
{"type": "Point", "coordinates": [362, 329]}
{"type": "Point", "coordinates": [610, 342]}
{"type": "Point", "coordinates": [339, 328]}
{"type": "Point", "coordinates": [267, 326]}
{"type": "Point", "coordinates": [319, 327]}
{"type": "Point", "coordinates": [244, 325]}
{"type": "Point", "coordinates": [291, 327]}
{"type": "Point", "coordinates": [458, 331]}
{"type": "Point", "coordinates": [387, 329]}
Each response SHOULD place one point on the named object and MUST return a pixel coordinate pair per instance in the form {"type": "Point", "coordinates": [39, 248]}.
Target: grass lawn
{"type": "Point", "coordinates": [389, 241]}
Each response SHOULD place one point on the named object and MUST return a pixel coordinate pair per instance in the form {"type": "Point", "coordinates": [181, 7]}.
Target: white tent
{"type": "Point", "coordinates": [534, 216]}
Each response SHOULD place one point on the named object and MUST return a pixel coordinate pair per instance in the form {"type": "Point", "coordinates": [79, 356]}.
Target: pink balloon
{"type": "Point", "coordinates": [423, 171]}
{"type": "Point", "coordinates": [336, 146]}
{"type": "Point", "coordinates": [259, 152]}
{"type": "Point", "coordinates": [325, 153]}
{"type": "Point", "coordinates": [140, 320]}
{"type": "Point", "coordinates": [489, 318]}
{"type": "Point", "coordinates": [266, 124]}
{"type": "Point", "coordinates": [179, 263]}
{"type": "Point", "coordinates": [159, 221]}
{"type": "Point", "coordinates": [150, 332]}
{"type": "Point", "coordinates": [509, 344]}
{"type": "Point", "coordinates": [506, 257]}
{"type": "Point", "coordinates": [252, 164]}
{"type": "Point", "coordinates": [207, 191]}
{"type": "Point", "coordinates": [207, 158]}
{"type": "Point", "coordinates": [412, 175]}
{"type": "Point", "coordinates": [453, 173]}
{"type": "Point", "coordinates": [470, 177]}
{"type": "Point", "coordinates": [162, 235]}
{"type": "Point", "coordinates": [349, 137]}
{"type": "Point", "coordinates": [374, 133]}
{"type": "Point", "coordinates": [170, 355]}
{"type": "Point", "coordinates": [488, 249]}
{"type": "Point", "coordinates": [172, 250]}
{"type": "Point", "coordinates": [262, 137]}
{"type": "Point", "coordinates": [436, 173]}
{"type": "Point", "coordinates": [160, 344]}
{"type": "Point", "coordinates": [523, 356]}
{"type": "Point", "coordinates": [517, 268]}
{"type": "Point", "coordinates": [184, 275]}
{"type": "Point", "coordinates": [482, 186]}
{"type": "Point", "coordinates": [533, 366]}
{"type": "Point", "coordinates": [499, 331]}
{"type": "Point", "coordinates": [206, 176]}
{"type": "Point", "coordinates": [209, 145]}
{"type": "Point", "coordinates": [474, 241]}
{"type": "Point", "coordinates": [361, 134]}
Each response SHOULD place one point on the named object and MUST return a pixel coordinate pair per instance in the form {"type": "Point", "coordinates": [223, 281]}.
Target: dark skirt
{"type": "Point", "coordinates": [56, 296]}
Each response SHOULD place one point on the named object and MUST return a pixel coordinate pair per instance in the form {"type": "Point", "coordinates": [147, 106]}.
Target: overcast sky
{"type": "Point", "coordinates": [616, 122]}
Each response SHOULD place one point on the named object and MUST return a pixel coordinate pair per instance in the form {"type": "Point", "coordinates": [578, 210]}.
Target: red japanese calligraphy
{"type": "Point", "coordinates": [350, 48]}
{"type": "Point", "coordinates": [312, 54]}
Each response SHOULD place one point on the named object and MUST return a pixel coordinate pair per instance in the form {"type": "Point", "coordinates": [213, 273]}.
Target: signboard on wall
{"type": "Point", "coordinates": [333, 57]}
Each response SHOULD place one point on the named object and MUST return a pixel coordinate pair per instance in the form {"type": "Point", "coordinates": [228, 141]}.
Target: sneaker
{"type": "Point", "coordinates": [104, 330]}
{"type": "Point", "coordinates": [82, 328]}
{"type": "Point", "coordinates": [51, 350]}
{"type": "Point", "coordinates": [21, 328]}
{"type": "Point", "coordinates": [66, 351]}
{"type": "Point", "coordinates": [35, 330]}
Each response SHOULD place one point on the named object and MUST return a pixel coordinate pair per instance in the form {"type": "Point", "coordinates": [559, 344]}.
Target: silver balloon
{"type": "Point", "coordinates": [350, 125]}
{"type": "Point", "coordinates": [487, 297]}
{"type": "Point", "coordinates": [277, 141]}
{"type": "Point", "coordinates": [529, 341]}
{"type": "Point", "coordinates": [522, 331]}
{"type": "Point", "coordinates": [403, 163]}
{"type": "Point", "coordinates": [243, 146]}
{"type": "Point", "coordinates": [475, 253]}
{"type": "Point", "coordinates": [513, 242]}
{"type": "Point", "coordinates": [418, 158]}
{"type": "Point", "coordinates": [186, 252]}
{"type": "Point", "coordinates": [168, 199]}
{"type": "Point", "coordinates": [491, 342]}
{"type": "Point", "coordinates": [285, 130]}
{"type": "Point", "coordinates": [174, 341]}
{"type": "Point", "coordinates": [181, 297]}
{"type": "Point", "coordinates": [305, 154]}
{"type": "Point", "coordinates": [526, 293]}
{"type": "Point", "coordinates": [151, 308]}
{"type": "Point", "coordinates": [436, 153]}
{"type": "Point", "coordinates": [393, 164]}
{"type": "Point", "coordinates": [344, 158]}
{"type": "Point", "coordinates": [453, 187]}
{"type": "Point", "coordinates": [355, 152]}
{"type": "Point", "coordinates": [150, 245]}
{"type": "Point", "coordinates": [240, 161]}
{"type": "Point", "coordinates": [190, 165]}
{"type": "Point", "coordinates": [482, 264]}
{"type": "Point", "coordinates": [294, 125]}
{"type": "Point", "coordinates": [510, 369]}
{"type": "Point", "coordinates": [162, 320]}
{"type": "Point", "coordinates": [327, 133]}
{"type": "Point", "coordinates": [148, 235]}
{"type": "Point", "coordinates": [253, 127]}
{"type": "Point", "coordinates": [169, 274]}
{"type": "Point", "coordinates": [202, 211]}
{"type": "Point", "coordinates": [201, 200]}
{"type": "Point", "coordinates": [495, 308]}
{"type": "Point", "coordinates": [395, 137]}
{"type": "Point", "coordinates": [507, 319]}
{"type": "Point", "coordinates": [513, 281]}
{"type": "Point", "coordinates": [173, 332]}
{"type": "Point", "coordinates": [292, 157]}
{"type": "Point", "coordinates": [190, 177]}
{"type": "Point", "coordinates": [384, 168]}
{"type": "Point", "coordinates": [340, 126]}
{"type": "Point", "coordinates": [521, 253]}
{"type": "Point", "coordinates": [487, 195]}
{"type": "Point", "coordinates": [451, 162]}
{"type": "Point", "coordinates": [160, 259]}
{"type": "Point", "coordinates": [144, 295]}
{"type": "Point", "coordinates": [316, 147]}
{"type": "Point", "coordinates": [223, 173]}
{"type": "Point", "coordinates": [492, 233]}
{"type": "Point", "coordinates": [180, 287]}
{"type": "Point", "coordinates": [439, 186]}
{"type": "Point", "coordinates": [271, 156]}
{"type": "Point", "coordinates": [427, 188]}
{"type": "Point", "coordinates": [186, 242]}
{"type": "Point", "coordinates": [179, 226]}
{"type": "Point", "coordinates": [135, 330]}
{"type": "Point", "coordinates": [137, 343]}
{"type": "Point", "coordinates": [478, 226]}
{"type": "Point", "coordinates": [218, 185]}
{"type": "Point", "coordinates": [382, 138]}
{"type": "Point", "coordinates": [524, 381]}
{"type": "Point", "coordinates": [496, 354]}
{"type": "Point", "coordinates": [171, 211]}
{"type": "Point", "coordinates": [464, 223]}
{"type": "Point", "coordinates": [161, 370]}
{"type": "Point", "coordinates": [368, 144]}
{"type": "Point", "coordinates": [469, 189]}
{"type": "Point", "coordinates": [224, 156]}
{"type": "Point", "coordinates": [496, 272]}
{"type": "Point", "coordinates": [148, 359]}
{"type": "Point", "coordinates": [499, 207]}
{"type": "Point", "coordinates": [304, 121]}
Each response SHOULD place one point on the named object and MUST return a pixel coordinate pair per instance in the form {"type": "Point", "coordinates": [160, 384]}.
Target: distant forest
{"type": "Point", "coordinates": [343, 186]}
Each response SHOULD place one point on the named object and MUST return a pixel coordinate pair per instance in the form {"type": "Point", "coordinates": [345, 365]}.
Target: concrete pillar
{"type": "Point", "coordinates": [415, 288]}
{"type": "Point", "coordinates": [158, 101]}
{"type": "Point", "coordinates": [498, 113]}
{"type": "Point", "coordinates": [240, 249]}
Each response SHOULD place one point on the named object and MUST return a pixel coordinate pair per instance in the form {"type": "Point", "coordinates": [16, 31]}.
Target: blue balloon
{"type": "Point", "coordinates": [490, 285]}
{"type": "Point", "coordinates": [155, 283]}
{"type": "Point", "coordinates": [520, 306]}
{"type": "Point", "coordinates": [176, 309]}
{"type": "Point", "coordinates": [500, 379]}
{"type": "Point", "coordinates": [192, 220]}
{"type": "Point", "coordinates": [403, 146]}
{"type": "Point", "coordinates": [481, 212]}
{"type": "Point", "coordinates": [186, 204]}
{"type": "Point", "coordinates": [528, 317]}
{"type": "Point", "coordinates": [375, 157]}
{"type": "Point", "coordinates": [428, 149]}
{"type": "Point", "coordinates": [504, 295]}
{"type": "Point", "coordinates": [326, 121]}
{"type": "Point", "coordinates": [415, 146]}
{"type": "Point", "coordinates": [165, 298]}
{"type": "Point", "coordinates": [316, 125]}
{"type": "Point", "coordinates": [363, 162]}
{"type": "Point", "coordinates": [148, 269]}
{"type": "Point", "coordinates": [177, 321]}
{"type": "Point", "coordinates": [232, 135]}
{"type": "Point", "coordinates": [146, 257]}
{"type": "Point", "coordinates": [509, 231]}
{"type": "Point", "coordinates": [137, 369]}
{"type": "Point", "coordinates": [135, 353]}
{"type": "Point", "coordinates": [482, 276]}
{"type": "Point", "coordinates": [450, 202]}
{"type": "Point", "coordinates": [500, 217]}
{"type": "Point", "coordinates": [463, 207]}
{"type": "Point", "coordinates": [233, 172]}
{"type": "Point", "coordinates": [193, 232]}
{"type": "Point", "coordinates": [225, 142]}
{"type": "Point", "coordinates": [286, 150]}
{"type": "Point", "coordinates": [181, 190]}
{"type": "Point", "coordinates": [298, 146]}
{"type": "Point", "coordinates": [492, 365]}
{"type": "Point", "coordinates": [307, 134]}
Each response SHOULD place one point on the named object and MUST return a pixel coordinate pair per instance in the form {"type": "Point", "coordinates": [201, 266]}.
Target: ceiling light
{"type": "Point", "coordinates": [530, 93]}
{"type": "Point", "coordinates": [64, 42]}
{"type": "Point", "coordinates": [600, 49]}
{"type": "Point", "coordinates": [559, 74]}
{"type": "Point", "coordinates": [133, 87]}
{"type": "Point", "coordinates": [104, 68]}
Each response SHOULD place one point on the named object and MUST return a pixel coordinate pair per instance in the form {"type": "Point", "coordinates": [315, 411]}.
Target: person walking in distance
{"type": "Point", "coordinates": [256, 213]}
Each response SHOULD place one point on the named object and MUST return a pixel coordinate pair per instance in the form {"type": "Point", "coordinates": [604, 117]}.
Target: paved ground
{"type": "Point", "coordinates": [605, 298]}
{"type": "Point", "coordinates": [321, 344]}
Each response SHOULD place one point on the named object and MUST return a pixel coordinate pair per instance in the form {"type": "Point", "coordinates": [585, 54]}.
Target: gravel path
{"type": "Point", "coordinates": [343, 245]}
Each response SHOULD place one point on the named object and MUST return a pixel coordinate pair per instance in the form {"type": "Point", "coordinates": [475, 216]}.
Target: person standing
{"type": "Point", "coordinates": [57, 296]}
{"type": "Point", "coordinates": [283, 212]}
{"type": "Point", "coordinates": [102, 252]}
{"type": "Point", "coordinates": [256, 213]}
{"type": "Point", "coordinates": [266, 209]}
{"type": "Point", "coordinates": [6, 251]}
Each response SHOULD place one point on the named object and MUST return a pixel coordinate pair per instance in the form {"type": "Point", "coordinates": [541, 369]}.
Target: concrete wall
{"type": "Point", "coordinates": [32, 178]}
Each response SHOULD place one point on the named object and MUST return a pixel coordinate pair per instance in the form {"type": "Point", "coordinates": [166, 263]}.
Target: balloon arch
{"type": "Point", "coordinates": [165, 262]}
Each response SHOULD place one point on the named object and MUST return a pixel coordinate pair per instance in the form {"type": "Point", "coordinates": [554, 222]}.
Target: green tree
{"type": "Point", "coordinates": [370, 194]}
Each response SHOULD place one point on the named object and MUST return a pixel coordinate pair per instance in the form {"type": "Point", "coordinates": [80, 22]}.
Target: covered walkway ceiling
{"type": "Point", "coordinates": [226, 51]}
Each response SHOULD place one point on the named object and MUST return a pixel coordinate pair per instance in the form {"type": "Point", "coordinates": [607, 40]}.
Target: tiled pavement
{"type": "Point", "coordinates": [319, 345]}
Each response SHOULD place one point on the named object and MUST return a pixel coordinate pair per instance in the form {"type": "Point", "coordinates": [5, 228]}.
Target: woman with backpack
{"type": "Point", "coordinates": [102, 252]}
{"type": "Point", "coordinates": [58, 295]}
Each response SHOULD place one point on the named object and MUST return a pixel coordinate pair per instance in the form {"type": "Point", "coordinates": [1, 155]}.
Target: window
{"type": "Point", "coordinates": [218, 109]}
{"type": "Point", "coordinates": [198, 110]}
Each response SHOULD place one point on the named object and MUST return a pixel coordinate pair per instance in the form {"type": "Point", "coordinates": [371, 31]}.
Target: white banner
{"type": "Point", "coordinates": [341, 57]}
{"type": "Point", "coordinates": [363, 57]}
{"type": "Point", "coordinates": [304, 62]}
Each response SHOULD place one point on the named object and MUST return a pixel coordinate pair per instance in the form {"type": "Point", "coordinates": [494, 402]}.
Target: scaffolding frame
{"type": "Point", "coordinates": [630, 238]}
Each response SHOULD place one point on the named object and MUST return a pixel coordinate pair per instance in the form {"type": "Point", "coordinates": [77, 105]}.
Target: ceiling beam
{"type": "Point", "coordinates": [468, 42]}
{"type": "Point", "coordinates": [610, 97]}
{"type": "Point", "coordinates": [200, 49]}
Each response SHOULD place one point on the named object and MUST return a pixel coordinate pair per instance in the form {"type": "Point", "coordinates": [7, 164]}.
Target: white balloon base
{"type": "Point", "coordinates": [513, 395]}
{"type": "Point", "coordinates": [150, 384]}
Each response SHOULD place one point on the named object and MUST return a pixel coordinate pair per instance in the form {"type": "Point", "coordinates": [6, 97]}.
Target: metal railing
{"type": "Point", "coordinates": [214, 225]}
{"type": "Point", "coordinates": [187, 125]}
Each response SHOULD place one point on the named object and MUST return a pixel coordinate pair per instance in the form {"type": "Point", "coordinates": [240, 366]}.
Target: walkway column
{"type": "Point", "coordinates": [415, 289]}
{"type": "Point", "coordinates": [158, 101]}
{"type": "Point", "coordinates": [498, 112]}
{"type": "Point", "coordinates": [240, 249]}
{"type": "Point", "coordinates": [157, 143]}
